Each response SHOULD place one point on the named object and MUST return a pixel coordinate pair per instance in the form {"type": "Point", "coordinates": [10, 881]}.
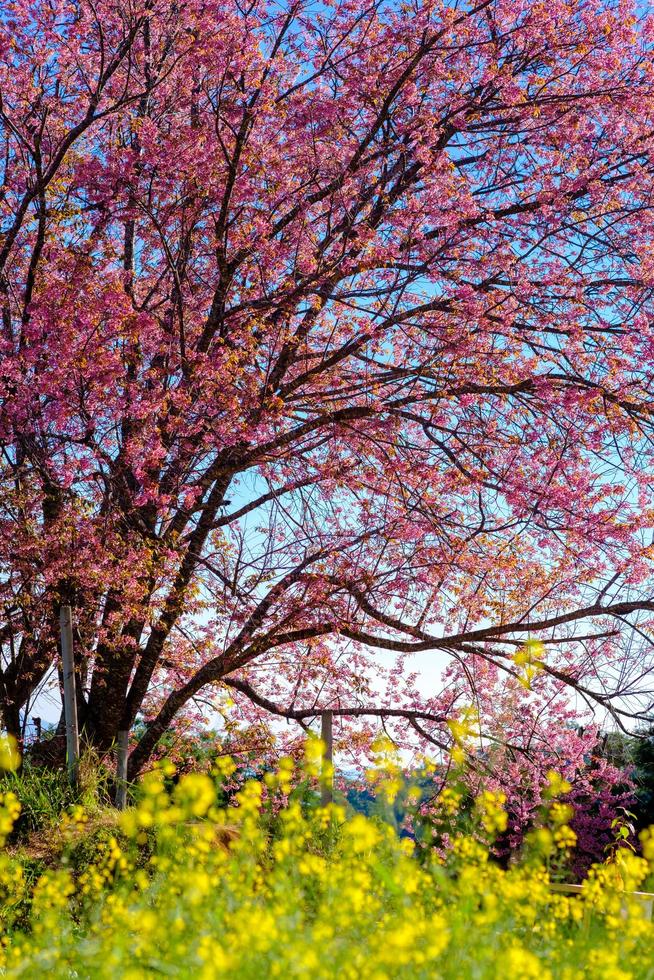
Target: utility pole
{"type": "Point", "coordinates": [122, 745]}
{"type": "Point", "coordinates": [70, 698]}
{"type": "Point", "coordinates": [327, 787]}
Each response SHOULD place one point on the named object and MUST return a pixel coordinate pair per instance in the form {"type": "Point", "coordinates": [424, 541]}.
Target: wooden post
{"type": "Point", "coordinates": [70, 698]}
{"type": "Point", "coordinates": [327, 788]}
{"type": "Point", "coordinates": [122, 746]}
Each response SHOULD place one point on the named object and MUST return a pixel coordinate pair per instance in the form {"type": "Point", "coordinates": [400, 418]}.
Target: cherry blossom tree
{"type": "Point", "coordinates": [326, 342]}
{"type": "Point", "coordinates": [527, 740]}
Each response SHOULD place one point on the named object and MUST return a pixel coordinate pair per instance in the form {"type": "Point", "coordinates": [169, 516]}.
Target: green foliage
{"type": "Point", "coordinates": [45, 794]}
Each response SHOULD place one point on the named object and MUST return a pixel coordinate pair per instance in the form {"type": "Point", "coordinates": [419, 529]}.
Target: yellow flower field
{"type": "Point", "coordinates": [185, 888]}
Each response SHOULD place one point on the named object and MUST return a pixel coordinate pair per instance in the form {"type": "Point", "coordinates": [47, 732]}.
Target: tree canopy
{"type": "Point", "coordinates": [326, 338]}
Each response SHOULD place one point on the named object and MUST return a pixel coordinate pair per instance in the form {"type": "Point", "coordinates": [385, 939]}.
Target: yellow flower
{"type": "Point", "coordinates": [196, 794]}
{"type": "Point", "coordinates": [519, 964]}
{"type": "Point", "coordinates": [215, 961]}
{"type": "Point", "coordinates": [556, 785]}
{"type": "Point", "coordinates": [449, 799]}
{"type": "Point", "coordinates": [490, 806]}
{"type": "Point", "coordinates": [565, 837]}
{"type": "Point", "coordinates": [312, 864]}
{"type": "Point", "coordinates": [224, 766]}
{"type": "Point", "coordinates": [362, 834]}
{"type": "Point", "coordinates": [560, 813]}
{"type": "Point", "coordinates": [9, 812]}
{"type": "Point", "coordinates": [9, 754]}
{"type": "Point", "coordinates": [530, 658]}
{"type": "Point", "coordinates": [647, 841]}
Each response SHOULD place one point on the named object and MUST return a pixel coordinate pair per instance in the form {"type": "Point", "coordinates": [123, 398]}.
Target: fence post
{"type": "Point", "coordinates": [70, 697]}
{"type": "Point", "coordinates": [122, 745]}
{"type": "Point", "coordinates": [327, 786]}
